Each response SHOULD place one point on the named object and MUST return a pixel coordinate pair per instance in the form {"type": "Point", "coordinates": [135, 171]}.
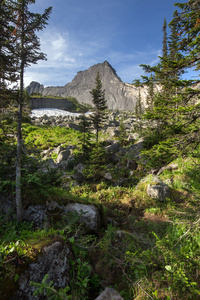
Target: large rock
{"type": "Point", "coordinates": [54, 262]}
{"type": "Point", "coordinates": [7, 206]}
{"type": "Point", "coordinates": [137, 148]}
{"type": "Point", "coordinates": [63, 155]}
{"type": "Point", "coordinates": [131, 164]}
{"type": "Point", "coordinates": [113, 148]}
{"type": "Point", "coordinates": [158, 190]}
{"type": "Point", "coordinates": [109, 294]}
{"type": "Point", "coordinates": [89, 215]}
{"type": "Point", "coordinates": [36, 215]}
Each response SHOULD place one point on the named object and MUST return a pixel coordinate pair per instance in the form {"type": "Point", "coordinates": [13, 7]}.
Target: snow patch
{"type": "Point", "coordinates": [37, 113]}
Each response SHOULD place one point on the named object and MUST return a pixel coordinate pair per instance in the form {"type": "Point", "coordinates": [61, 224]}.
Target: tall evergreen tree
{"type": "Point", "coordinates": [99, 101]}
{"type": "Point", "coordinates": [174, 38]}
{"type": "Point", "coordinates": [188, 21]}
{"type": "Point", "coordinates": [7, 60]}
{"type": "Point", "coordinates": [164, 49]}
{"type": "Point", "coordinates": [86, 136]}
{"type": "Point", "coordinates": [27, 51]}
{"type": "Point", "coordinates": [172, 108]}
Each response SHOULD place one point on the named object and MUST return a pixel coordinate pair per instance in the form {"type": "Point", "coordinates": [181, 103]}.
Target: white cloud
{"type": "Point", "coordinates": [66, 55]}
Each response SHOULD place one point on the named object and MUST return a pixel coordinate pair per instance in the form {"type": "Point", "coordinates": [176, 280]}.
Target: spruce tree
{"type": "Point", "coordinates": [122, 133]}
{"type": "Point", "coordinates": [85, 128]}
{"type": "Point", "coordinates": [171, 106]}
{"type": "Point", "coordinates": [138, 111]}
{"type": "Point", "coordinates": [27, 52]}
{"type": "Point", "coordinates": [8, 63]}
{"type": "Point", "coordinates": [164, 49]}
{"type": "Point", "coordinates": [188, 21]}
{"type": "Point", "coordinates": [99, 101]}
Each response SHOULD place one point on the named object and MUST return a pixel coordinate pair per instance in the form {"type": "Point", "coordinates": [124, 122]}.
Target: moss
{"type": "Point", "coordinates": [11, 271]}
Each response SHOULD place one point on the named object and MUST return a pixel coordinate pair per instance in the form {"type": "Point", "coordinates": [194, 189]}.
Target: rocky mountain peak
{"type": "Point", "coordinates": [119, 95]}
{"type": "Point", "coordinates": [35, 87]}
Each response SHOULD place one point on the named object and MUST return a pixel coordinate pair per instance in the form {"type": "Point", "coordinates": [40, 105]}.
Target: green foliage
{"type": "Point", "coordinates": [152, 247]}
{"type": "Point", "coordinates": [122, 134]}
{"type": "Point", "coordinates": [171, 111]}
{"type": "Point", "coordinates": [164, 49]}
{"type": "Point", "coordinates": [99, 101]}
{"type": "Point", "coordinates": [85, 137]}
{"type": "Point", "coordinates": [39, 186]}
{"type": "Point", "coordinates": [161, 153]}
{"type": "Point", "coordinates": [96, 163]}
{"type": "Point", "coordinates": [43, 137]}
{"type": "Point", "coordinates": [80, 274]}
{"type": "Point", "coordinates": [46, 288]}
{"type": "Point", "coordinates": [36, 184]}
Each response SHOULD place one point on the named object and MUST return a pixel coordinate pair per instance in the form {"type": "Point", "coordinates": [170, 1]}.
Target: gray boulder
{"type": "Point", "coordinates": [137, 148]}
{"type": "Point", "coordinates": [158, 190]}
{"type": "Point", "coordinates": [54, 262]}
{"type": "Point", "coordinates": [63, 155]}
{"type": "Point", "coordinates": [113, 148]}
{"type": "Point", "coordinates": [89, 215]}
{"type": "Point", "coordinates": [113, 132]}
{"type": "Point", "coordinates": [109, 294]}
{"type": "Point", "coordinates": [108, 176]}
{"type": "Point", "coordinates": [79, 168]}
{"type": "Point", "coordinates": [48, 165]}
{"type": "Point", "coordinates": [37, 215]}
{"type": "Point", "coordinates": [7, 206]}
{"type": "Point", "coordinates": [131, 164]}
{"type": "Point", "coordinates": [58, 149]}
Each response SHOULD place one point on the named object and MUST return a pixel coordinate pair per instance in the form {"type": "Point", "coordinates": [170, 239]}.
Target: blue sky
{"type": "Point", "coordinates": [82, 33]}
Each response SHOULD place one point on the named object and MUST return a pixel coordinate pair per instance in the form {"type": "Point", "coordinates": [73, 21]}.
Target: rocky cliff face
{"type": "Point", "coordinates": [119, 95]}
{"type": "Point", "coordinates": [35, 87]}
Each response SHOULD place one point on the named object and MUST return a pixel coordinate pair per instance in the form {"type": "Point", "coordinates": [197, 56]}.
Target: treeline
{"type": "Point", "coordinates": [173, 112]}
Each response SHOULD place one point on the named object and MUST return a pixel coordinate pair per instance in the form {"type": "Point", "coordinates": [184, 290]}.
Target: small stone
{"type": "Point", "coordinates": [109, 294]}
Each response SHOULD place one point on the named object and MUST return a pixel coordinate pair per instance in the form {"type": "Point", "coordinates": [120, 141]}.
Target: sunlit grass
{"type": "Point", "coordinates": [45, 137]}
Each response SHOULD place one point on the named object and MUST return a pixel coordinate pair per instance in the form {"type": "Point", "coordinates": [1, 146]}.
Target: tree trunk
{"type": "Point", "coordinates": [18, 164]}
{"type": "Point", "coordinates": [19, 147]}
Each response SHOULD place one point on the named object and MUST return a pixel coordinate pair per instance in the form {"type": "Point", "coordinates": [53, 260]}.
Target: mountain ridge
{"type": "Point", "coordinates": [119, 95]}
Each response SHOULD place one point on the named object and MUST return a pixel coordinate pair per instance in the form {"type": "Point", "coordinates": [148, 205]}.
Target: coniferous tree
{"type": "Point", "coordinates": [27, 51]}
{"type": "Point", "coordinates": [188, 21]}
{"type": "Point", "coordinates": [171, 107]}
{"type": "Point", "coordinates": [138, 111]}
{"type": "Point", "coordinates": [99, 101]}
{"type": "Point", "coordinates": [7, 60]}
{"type": "Point", "coordinates": [164, 49]}
{"type": "Point", "coordinates": [138, 106]}
{"type": "Point", "coordinates": [8, 63]}
{"type": "Point", "coordinates": [122, 133]}
{"type": "Point", "coordinates": [85, 128]}
{"type": "Point", "coordinates": [174, 38]}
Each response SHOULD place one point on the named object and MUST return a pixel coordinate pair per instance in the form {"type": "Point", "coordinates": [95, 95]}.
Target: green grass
{"type": "Point", "coordinates": [45, 137]}
{"type": "Point", "coordinates": [145, 249]}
